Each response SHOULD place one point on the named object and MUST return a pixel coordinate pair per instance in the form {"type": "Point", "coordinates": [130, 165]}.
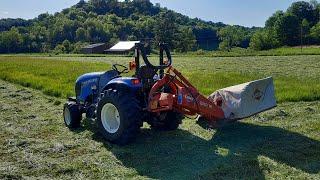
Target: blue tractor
{"type": "Point", "coordinates": [118, 104]}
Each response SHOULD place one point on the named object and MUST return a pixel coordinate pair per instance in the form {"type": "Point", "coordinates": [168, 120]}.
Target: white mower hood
{"type": "Point", "coordinates": [244, 100]}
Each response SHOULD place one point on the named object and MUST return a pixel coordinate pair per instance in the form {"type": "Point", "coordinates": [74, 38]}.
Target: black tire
{"type": "Point", "coordinates": [170, 122]}
{"type": "Point", "coordinates": [130, 116]}
{"type": "Point", "coordinates": [72, 115]}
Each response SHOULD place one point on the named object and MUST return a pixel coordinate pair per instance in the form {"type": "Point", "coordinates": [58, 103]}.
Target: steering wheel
{"type": "Point", "coordinates": [117, 66]}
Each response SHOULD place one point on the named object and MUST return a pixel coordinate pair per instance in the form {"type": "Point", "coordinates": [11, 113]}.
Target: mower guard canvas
{"type": "Point", "coordinates": [244, 100]}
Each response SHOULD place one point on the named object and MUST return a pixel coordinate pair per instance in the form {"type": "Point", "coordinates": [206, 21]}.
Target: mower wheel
{"type": "Point", "coordinates": [171, 122]}
{"type": "Point", "coordinates": [72, 115]}
{"type": "Point", "coordinates": [119, 116]}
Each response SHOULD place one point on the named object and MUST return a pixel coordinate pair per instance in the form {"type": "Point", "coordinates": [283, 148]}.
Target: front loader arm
{"type": "Point", "coordinates": [183, 97]}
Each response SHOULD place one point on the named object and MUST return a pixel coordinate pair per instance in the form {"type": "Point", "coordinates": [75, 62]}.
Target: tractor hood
{"type": "Point", "coordinates": [89, 76]}
{"type": "Point", "coordinates": [85, 83]}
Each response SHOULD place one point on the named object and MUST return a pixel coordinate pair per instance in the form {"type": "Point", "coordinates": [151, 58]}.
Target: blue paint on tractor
{"type": "Point", "coordinates": [85, 85]}
{"type": "Point", "coordinates": [127, 81]}
{"type": "Point", "coordinates": [180, 98]}
{"type": "Point", "coordinates": [92, 84]}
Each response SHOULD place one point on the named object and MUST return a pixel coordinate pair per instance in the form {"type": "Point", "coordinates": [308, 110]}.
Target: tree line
{"type": "Point", "coordinates": [106, 21]}
{"type": "Point", "coordinates": [298, 25]}
{"type": "Point", "coordinates": [109, 21]}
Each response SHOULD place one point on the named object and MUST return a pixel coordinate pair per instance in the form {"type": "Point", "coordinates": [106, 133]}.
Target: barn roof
{"type": "Point", "coordinates": [123, 46]}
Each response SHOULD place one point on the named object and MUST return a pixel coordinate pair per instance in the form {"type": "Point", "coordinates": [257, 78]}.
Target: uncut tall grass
{"type": "Point", "coordinates": [298, 81]}
{"type": "Point", "coordinates": [55, 78]}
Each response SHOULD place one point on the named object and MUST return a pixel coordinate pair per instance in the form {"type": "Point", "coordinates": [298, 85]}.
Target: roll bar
{"type": "Point", "coordinates": [163, 48]}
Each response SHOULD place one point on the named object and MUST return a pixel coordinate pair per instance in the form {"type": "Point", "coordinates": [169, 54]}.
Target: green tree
{"type": "Point", "coordinates": [63, 29]}
{"type": "Point", "coordinates": [270, 23]}
{"type": "Point", "coordinates": [230, 36]}
{"type": "Point", "coordinates": [11, 41]}
{"type": "Point", "coordinates": [315, 33]}
{"type": "Point", "coordinates": [95, 31]}
{"type": "Point", "coordinates": [101, 7]}
{"type": "Point", "coordinates": [186, 40]}
{"type": "Point", "coordinates": [81, 4]}
{"type": "Point", "coordinates": [109, 21]}
{"type": "Point", "coordinates": [165, 29]}
{"type": "Point", "coordinates": [33, 38]}
{"type": "Point", "coordinates": [81, 34]}
{"type": "Point", "coordinates": [59, 49]}
{"type": "Point", "coordinates": [287, 29]}
{"type": "Point", "coordinates": [303, 10]}
{"type": "Point", "coordinates": [264, 39]}
{"type": "Point", "coordinates": [67, 46]}
{"type": "Point", "coordinates": [45, 47]}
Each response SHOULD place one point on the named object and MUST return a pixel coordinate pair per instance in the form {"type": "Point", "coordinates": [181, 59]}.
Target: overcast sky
{"type": "Point", "coordinates": [241, 12]}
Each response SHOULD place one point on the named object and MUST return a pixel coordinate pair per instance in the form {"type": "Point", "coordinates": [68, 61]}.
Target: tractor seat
{"type": "Point", "coordinates": [146, 72]}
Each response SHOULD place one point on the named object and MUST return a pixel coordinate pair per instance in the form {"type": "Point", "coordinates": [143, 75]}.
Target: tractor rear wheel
{"type": "Point", "coordinates": [72, 115]}
{"type": "Point", "coordinates": [168, 121]}
{"type": "Point", "coordinates": [118, 116]}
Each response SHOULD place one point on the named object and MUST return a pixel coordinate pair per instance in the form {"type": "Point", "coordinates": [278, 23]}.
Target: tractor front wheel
{"type": "Point", "coordinates": [118, 117]}
{"type": "Point", "coordinates": [72, 115]}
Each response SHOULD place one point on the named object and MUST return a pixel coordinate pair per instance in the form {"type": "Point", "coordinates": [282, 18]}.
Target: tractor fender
{"type": "Point", "coordinates": [123, 83]}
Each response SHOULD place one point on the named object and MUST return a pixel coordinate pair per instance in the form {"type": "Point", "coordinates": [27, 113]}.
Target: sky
{"type": "Point", "coordinates": [235, 12]}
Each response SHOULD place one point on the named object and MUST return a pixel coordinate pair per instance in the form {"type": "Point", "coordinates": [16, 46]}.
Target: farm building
{"type": "Point", "coordinates": [122, 47]}
{"type": "Point", "coordinates": [94, 48]}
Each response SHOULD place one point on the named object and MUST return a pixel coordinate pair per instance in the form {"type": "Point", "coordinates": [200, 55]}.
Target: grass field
{"type": "Point", "coordinates": [283, 143]}
{"type": "Point", "coordinates": [282, 51]}
{"type": "Point", "coordinates": [235, 52]}
{"type": "Point", "coordinates": [296, 77]}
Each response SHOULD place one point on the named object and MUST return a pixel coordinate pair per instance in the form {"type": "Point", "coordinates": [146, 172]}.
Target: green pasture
{"type": "Point", "coordinates": [296, 77]}
{"type": "Point", "coordinates": [282, 143]}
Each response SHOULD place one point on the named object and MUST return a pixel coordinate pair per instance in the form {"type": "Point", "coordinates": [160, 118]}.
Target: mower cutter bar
{"type": "Point", "coordinates": [233, 103]}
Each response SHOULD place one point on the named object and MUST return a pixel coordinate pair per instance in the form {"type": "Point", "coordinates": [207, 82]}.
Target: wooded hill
{"type": "Point", "coordinates": [109, 21]}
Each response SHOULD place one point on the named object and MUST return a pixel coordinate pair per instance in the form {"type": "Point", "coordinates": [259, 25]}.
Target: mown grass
{"type": "Point", "coordinates": [296, 77]}
{"type": "Point", "coordinates": [282, 143]}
